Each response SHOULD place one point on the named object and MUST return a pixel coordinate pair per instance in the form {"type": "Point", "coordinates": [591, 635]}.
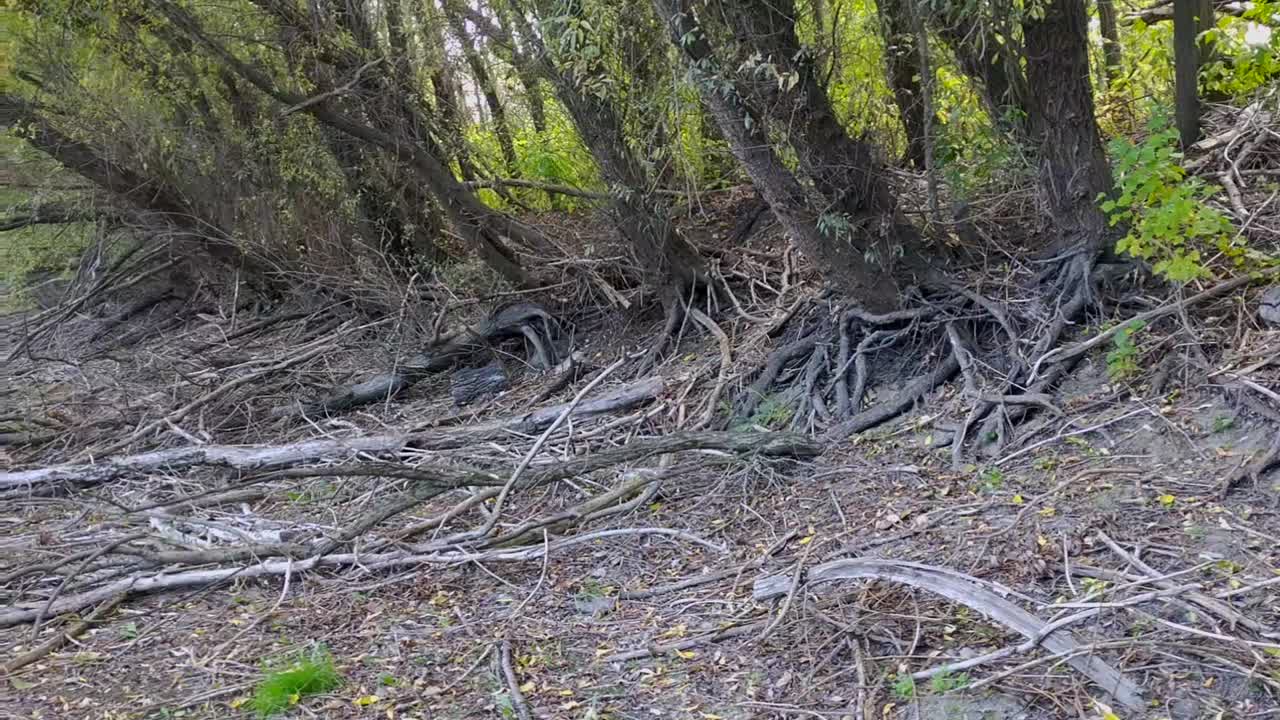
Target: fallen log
{"type": "Point", "coordinates": [521, 320]}
{"type": "Point", "coordinates": [274, 457]}
{"type": "Point", "coordinates": [960, 588]}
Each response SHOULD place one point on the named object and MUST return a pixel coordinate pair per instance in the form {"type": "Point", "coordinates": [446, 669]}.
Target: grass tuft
{"type": "Point", "coordinates": [308, 675]}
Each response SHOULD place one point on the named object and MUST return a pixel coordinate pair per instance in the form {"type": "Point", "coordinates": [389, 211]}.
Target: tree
{"type": "Point", "coordinates": [778, 77]}
{"type": "Point", "coordinates": [902, 63]}
{"type": "Point", "coordinates": [670, 262]}
{"type": "Point", "coordinates": [744, 127]}
{"type": "Point", "coordinates": [484, 230]}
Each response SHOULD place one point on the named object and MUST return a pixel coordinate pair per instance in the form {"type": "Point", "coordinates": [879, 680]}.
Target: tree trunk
{"type": "Point", "coordinates": [902, 64]}
{"type": "Point", "coordinates": [151, 197]}
{"type": "Point", "coordinates": [842, 169]}
{"type": "Point", "coordinates": [839, 261]}
{"type": "Point", "coordinates": [1073, 167]}
{"type": "Point", "coordinates": [488, 89]}
{"type": "Point", "coordinates": [991, 65]}
{"type": "Point", "coordinates": [667, 258]}
{"type": "Point", "coordinates": [1111, 48]}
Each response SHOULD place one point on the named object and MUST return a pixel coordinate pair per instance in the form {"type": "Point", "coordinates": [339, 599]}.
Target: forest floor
{"type": "Point", "coordinates": [1066, 517]}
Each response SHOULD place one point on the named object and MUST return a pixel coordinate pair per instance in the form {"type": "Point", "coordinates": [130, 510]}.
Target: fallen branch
{"type": "Point", "coordinates": [660, 650]}
{"type": "Point", "coordinates": [967, 591]}
{"type": "Point", "coordinates": [158, 582]}
{"type": "Point", "coordinates": [1068, 353]}
{"type": "Point", "coordinates": [62, 637]}
{"type": "Point", "coordinates": [258, 458]}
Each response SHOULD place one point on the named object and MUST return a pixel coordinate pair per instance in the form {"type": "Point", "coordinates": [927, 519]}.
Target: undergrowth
{"type": "Point", "coordinates": [309, 674]}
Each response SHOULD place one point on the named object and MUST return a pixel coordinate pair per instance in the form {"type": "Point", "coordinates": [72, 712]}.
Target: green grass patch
{"type": "Point", "coordinates": [307, 675]}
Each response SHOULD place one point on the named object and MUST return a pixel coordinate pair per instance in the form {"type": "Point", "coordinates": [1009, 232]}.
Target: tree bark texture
{"type": "Point", "coordinates": [902, 65]}
{"type": "Point", "coordinates": [1073, 167]}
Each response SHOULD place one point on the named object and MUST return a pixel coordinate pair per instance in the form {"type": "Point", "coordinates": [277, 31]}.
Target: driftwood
{"type": "Point", "coordinates": [965, 590]}
{"type": "Point", "coordinates": [258, 458]}
{"type": "Point", "coordinates": [522, 320]}
{"type": "Point", "coordinates": [428, 481]}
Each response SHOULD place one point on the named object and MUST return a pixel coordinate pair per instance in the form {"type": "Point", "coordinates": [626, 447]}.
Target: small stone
{"type": "Point", "coordinates": [1269, 306]}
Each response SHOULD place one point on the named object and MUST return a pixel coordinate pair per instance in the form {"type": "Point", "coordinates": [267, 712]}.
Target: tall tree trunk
{"type": "Point", "coordinates": [1186, 67]}
{"type": "Point", "coordinates": [991, 64]}
{"type": "Point", "coordinates": [839, 261]}
{"type": "Point", "coordinates": [1073, 167]}
{"type": "Point", "coordinates": [526, 74]}
{"type": "Point", "coordinates": [845, 171]}
{"type": "Point", "coordinates": [902, 63]}
{"type": "Point", "coordinates": [488, 89]}
{"type": "Point", "coordinates": [1111, 49]}
{"type": "Point", "coordinates": [669, 261]}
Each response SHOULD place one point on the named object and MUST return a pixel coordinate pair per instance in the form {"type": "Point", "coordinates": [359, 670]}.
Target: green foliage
{"type": "Point", "coordinates": [992, 479]}
{"type": "Point", "coordinates": [772, 413]}
{"type": "Point", "coordinates": [1223, 423]}
{"type": "Point", "coordinates": [1168, 221]}
{"type": "Point", "coordinates": [946, 682]}
{"type": "Point", "coordinates": [1246, 56]}
{"type": "Point", "coordinates": [1122, 360]}
{"type": "Point", "coordinates": [309, 674]}
{"type": "Point", "coordinates": [904, 688]}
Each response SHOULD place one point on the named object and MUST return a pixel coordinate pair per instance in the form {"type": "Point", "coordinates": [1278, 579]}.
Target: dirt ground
{"type": "Point", "coordinates": [1064, 519]}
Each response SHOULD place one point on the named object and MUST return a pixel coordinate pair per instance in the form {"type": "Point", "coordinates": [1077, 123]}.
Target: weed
{"type": "Point", "coordinates": [992, 479]}
{"type": "Point", "coordinates": [904, 688]}
{"type": "Point", "coordinates": [307, 675]}
{"type": "Point", "coordinates": [1168, 219]}
{"type": "Point", "coordinates": [1223, 423]}
{"type": "Point", "coordinates": [1122, 361]}
{"type": "Point", "coordinates": [946, 682]}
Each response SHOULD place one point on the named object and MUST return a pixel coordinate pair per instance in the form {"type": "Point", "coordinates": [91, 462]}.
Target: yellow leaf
{"type": "Point", "coordinates": [1042, 541]}
{"type": "Point", "coordinates": [238, 702]}
{"type": "Point", "coordinates": [710, 716]}
{"type": "Point", "coordinates": [1017, 500]}
{"type": "Point", "coordinates": [294, 698]}
{"type": "Point", "coordinates": [1167, 500]}
{"type": "Point", "coordinates": [686, 654]}
{"type": "Point", "coordinates": [1048, 512]}
{"type": "Point", "coordinates": [678, 631]}
{"type": "Point", "coordinates": [566, 693]}
{"type": "Point", "coordinates": [528, 687]}
{"type": "Point", "coordinates": [806, 540]}
{"type": "Point", "coordinates": [364, 700]}
{"type": "Point", "coordinates": [655, 507]}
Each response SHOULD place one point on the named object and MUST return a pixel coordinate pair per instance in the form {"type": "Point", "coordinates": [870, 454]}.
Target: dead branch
{"type": "Point", "coordinates": [258, 458]}
{"type": "Point", "coordinates": [967, 591]}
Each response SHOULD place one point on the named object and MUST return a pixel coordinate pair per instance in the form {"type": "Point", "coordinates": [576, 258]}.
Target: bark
{"type": "Point", "coordinates": [845, 171]}
{"type": "Point", "coordinates": [489, 90]}
{"type": "Point", "coordinates": [840, 262]}
{"type": "Point", "coordinates": [1073, 168]}
{"type": "Point", "coordinates": [902, 64]}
